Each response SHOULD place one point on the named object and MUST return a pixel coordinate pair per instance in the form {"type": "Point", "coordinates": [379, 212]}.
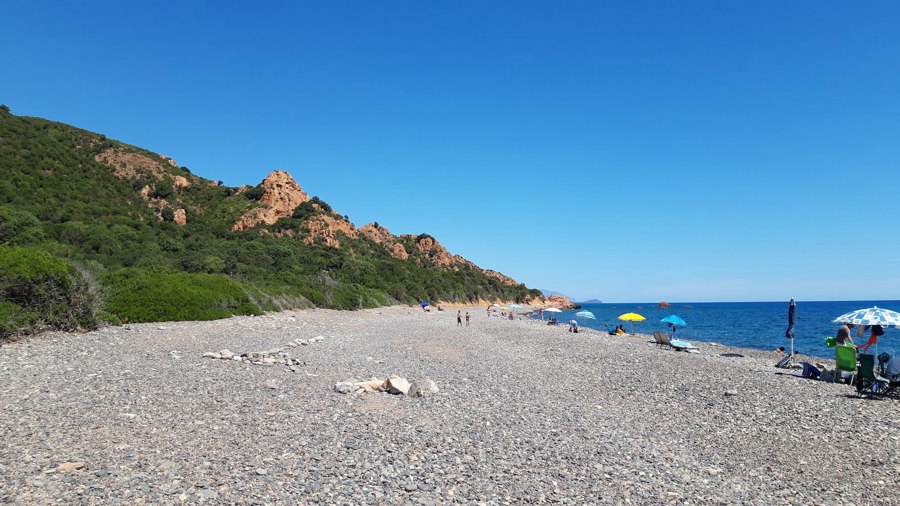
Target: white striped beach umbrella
{"type": "Point", "coordinates": [586, 314]}
{"type": "Point", "coordinates": [870, 316]}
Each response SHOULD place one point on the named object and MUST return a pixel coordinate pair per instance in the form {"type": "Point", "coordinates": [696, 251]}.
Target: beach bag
{"type": "Point", "coordinates": [810, 371]}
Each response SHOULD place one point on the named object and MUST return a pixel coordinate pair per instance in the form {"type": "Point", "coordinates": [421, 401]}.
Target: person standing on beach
{"type": "Point", "coordinates": [843, 335]}
{"type": "Point", "coordinates": [459, 318]}
{"type": "Point", "coordinates": [467, 318]}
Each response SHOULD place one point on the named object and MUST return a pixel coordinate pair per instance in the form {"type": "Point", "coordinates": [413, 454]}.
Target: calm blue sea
{"type": "Point", "coordinates": [758, 325]}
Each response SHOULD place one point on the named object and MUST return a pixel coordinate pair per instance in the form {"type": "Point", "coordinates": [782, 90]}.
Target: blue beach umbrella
{"type": "Point", "coordinates": [674, 320]}
{"type": "Point", "coordinates": [425, 304]}
{"type": "Point", "coordinates": [586, 314]}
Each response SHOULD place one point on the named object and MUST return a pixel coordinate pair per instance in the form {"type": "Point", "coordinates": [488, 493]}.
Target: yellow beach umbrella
{"type": "Point", "coordinates": [631, 317]}
{"type": "Point", "coordinates": [504, 308]}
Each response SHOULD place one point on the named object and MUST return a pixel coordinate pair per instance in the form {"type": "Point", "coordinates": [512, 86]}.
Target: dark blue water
{"type": "Point", "coordinates": [757, 325]}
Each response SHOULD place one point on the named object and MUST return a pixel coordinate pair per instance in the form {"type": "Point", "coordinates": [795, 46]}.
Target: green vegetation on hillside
{"type": "Point", "coordinates": [76, 197]}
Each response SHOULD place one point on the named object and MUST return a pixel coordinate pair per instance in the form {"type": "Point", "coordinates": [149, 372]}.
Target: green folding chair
{"type": "Point", "coordinates": [869, 382]}
{"type": "Point", "coordinates": [845, 361]}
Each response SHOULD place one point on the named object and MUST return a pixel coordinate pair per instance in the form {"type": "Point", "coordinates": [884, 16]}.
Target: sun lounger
{"type": "Point", "coordinates": [674, 343]}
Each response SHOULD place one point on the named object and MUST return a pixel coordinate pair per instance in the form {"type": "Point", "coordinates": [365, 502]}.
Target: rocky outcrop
{"type": "Point", "coordinates": [158, 204]}
{"type": "Point", "coordinates": [128, 165]}
{"type": "Point", "coordinates": [438, 254]}
{"type": "Point", "coordinates": [384, 237]}
{"type": "Point", "coordinates": [560, 301]}
{"type": "Point", "coordinates": [281, 195]}
{"type": "Point", "coordinates": [506, 280]}
{"type": "Point", "coordinates": [181, 217]}
{"type": "Point", "coordinates": [324, 228]}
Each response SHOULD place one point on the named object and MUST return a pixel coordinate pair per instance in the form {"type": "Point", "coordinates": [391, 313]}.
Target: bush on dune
{"type": "Point", "coordinates": [142, 295]}
{"type": "Point", "coordinates": [40, 291]}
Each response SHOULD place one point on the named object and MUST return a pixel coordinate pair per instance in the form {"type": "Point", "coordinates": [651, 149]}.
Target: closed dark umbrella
{"type": "Point", "coordinates": [789, 333]}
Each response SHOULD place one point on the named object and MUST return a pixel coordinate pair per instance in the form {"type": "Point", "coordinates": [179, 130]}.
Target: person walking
{"type": "Point", "coordinates": [468, 316]}
{"type": "Point", "coordinates": [459, 318]}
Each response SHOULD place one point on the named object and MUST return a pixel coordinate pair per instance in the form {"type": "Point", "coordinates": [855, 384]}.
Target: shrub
{"type": "Point", "coordinates": [19, 227]}
{"type": "Point", "coordinates": [141, 295]}
{"type": "Point", "coordinates": [41, 291]}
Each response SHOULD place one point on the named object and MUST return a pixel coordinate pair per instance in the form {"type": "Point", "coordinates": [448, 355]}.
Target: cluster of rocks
{"type": "Point", "coordinates": [274, 356]}
{"type": "Point", "coordinates": [392, 385]}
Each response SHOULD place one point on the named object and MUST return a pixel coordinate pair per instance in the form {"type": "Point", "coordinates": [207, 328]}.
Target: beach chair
{"type": "Point", "coordinates": [675, 343]}
{"type": "Point", "coordinates": [868, 382]}
{"type": "Point", "coordinates": [657, 338]}
{"type": "Point", "coordinates": [845, 361]}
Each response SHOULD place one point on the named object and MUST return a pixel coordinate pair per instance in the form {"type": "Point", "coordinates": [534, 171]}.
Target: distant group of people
{"type": "Point", "coordinates": [459, 318]}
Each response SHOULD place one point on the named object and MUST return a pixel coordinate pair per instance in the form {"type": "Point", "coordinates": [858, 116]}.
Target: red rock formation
{"type": "Point", "coordinates": [133, 166]}
{"type": "Point", "coordinates": [281, 195]}
{"type": "Point", "coordinates": [559, 301]}
{"type": "Point", "coordinates": [506, 280]}
{"type": "Point", "coordinates": [326, 227]}
{"type": "Point", "coordinates": [383, 236]}
{"type": "Point", "coordinates": [435, 252]}
{"type": "Point", "coordinates": [181, 217]}
{"type": "Point", "coordinates": [158, 205]}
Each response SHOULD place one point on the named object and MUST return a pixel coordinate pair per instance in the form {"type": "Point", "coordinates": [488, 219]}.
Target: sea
{"type": "Point", "coordinates": [755, 325]}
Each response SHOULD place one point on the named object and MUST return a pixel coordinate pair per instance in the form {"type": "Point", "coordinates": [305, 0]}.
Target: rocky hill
{"type": "Point", "coordinates": [121, 214]}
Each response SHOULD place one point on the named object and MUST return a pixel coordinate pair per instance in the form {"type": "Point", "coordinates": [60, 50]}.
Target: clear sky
{"type": "Point", "coordinates": [631, 151]}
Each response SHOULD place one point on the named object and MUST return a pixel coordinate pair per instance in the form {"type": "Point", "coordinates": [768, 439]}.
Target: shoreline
{"type": "Point", "coordinates": [524, 412]}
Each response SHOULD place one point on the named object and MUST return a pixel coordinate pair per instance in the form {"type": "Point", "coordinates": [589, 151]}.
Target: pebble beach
{"type": "Point", "coordinates": [525, 413]}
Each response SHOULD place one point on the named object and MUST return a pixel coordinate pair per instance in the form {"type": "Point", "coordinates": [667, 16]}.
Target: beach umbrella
{"type": "Point", "coordinates": [586, 314]}
{"type": "Point", "coordinates": [425, 304]}
{"type": "Point", "coordinates": [673, 321]}
{"type": "Point", "coordinates": [553, 310]}
{"type": "Point", "coordinates": [871, 316]}
{"type": "Point", "coordinates": [789, 333]}
{"type": "Point", "coordinates": [631, 317]}
{"type": "Point", "coordinates": [515, 306]}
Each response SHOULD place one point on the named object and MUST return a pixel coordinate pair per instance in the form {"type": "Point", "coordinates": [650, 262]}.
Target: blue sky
{"type": "Point", "coordinates": [630, 151]}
